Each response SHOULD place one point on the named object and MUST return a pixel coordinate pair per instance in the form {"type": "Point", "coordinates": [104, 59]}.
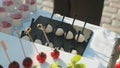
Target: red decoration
{"type": "Point", "coordinates": [55, 54]}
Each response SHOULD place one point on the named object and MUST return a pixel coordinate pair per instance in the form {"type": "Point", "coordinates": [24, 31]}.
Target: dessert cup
{"type": "Point", "coordinates": [24, 9]}
{"type": "Point", "coordinates": [16, 19]}
{"type": "Point", "coordinates": [9, 5]}
{"type": "Point", "coordinates": [6, 27]}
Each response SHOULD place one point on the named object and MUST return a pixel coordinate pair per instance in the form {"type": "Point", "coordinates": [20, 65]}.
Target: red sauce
{"type": "Point", "coordinates": [16, 16]}
{"type": "Point", "coordinates": [31, 2]}
{"type": "Point", "coordinates": [24, 7]}
{"type": "Point", "coordinates": [5, 24]}
{"type": "Point", "coordinates": [7, 2]}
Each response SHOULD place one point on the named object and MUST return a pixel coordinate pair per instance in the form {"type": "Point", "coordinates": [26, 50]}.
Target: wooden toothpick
{"type": "Point", "coordinates": [21, 43]}
{"type": "Point", "coordinates": [5, 50]}
{"type": "Point", "coordinates": [84, 25]}
{"type": "Point", "coordinates": [40, 26]}
{"type": "Point", "coordinates": [28, 33]}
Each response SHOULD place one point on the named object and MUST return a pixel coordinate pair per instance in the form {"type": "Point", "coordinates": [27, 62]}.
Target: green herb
{"type": "Point", "coordinates": [55, 65]}
{"type": "Point", "coordinates": [73, 63]}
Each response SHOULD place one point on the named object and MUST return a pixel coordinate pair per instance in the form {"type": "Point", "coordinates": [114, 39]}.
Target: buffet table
{"type": "Point", "coordinates": [101, 42]}
{"type": "Point", "coordinates": [96, 55]}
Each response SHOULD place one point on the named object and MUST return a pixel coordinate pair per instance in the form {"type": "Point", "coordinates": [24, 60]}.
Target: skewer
{"type": "Point", "coordinates": [48, 27]}
{"type": "Point", "coordinates": [51, 16]}
{"type": "Point", "coordinates": [32, 22]}
{"type": "Point", "coordinates": [63, 18]}
{"type": "Point", "coordinates": [5, 50]}
{"type": "Point", "coordinates": [84, 25]}
{"type": "Point", "coordinates": [40, 27]}
{"type": "Point", "coordinates": [73, 21]}
{"type": "Point", "coordinates": [27, 32]}
{"type": "Point", "coordinates": [78, 34]}
{"type": "Point", "coordinates": [21, 44]}
{"type": "Point", "coordinates": [22, 34]}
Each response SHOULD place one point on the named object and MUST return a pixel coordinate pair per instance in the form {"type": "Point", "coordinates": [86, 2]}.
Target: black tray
{"type": "Point", "coordinates": [59, 42]}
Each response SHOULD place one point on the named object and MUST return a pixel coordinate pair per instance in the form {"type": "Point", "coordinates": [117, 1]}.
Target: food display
{"type": "Point", "coordinates": [51, 43]}
{"type": "Point", "coordinates": [41, 57]}
{"type": "Point", "coordinates": [63, 36]}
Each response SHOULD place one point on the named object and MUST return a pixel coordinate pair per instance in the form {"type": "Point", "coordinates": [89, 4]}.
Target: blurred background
{"type": "Point", "coordinates": [110, 16]}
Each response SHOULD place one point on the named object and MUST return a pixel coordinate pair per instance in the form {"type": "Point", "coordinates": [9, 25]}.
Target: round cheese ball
{"type": "Point", "coordinates": [81, 38]}
{"type": "Point", "coordinates": [59, 32]}
{"type": "Point", "coordinates": [38, 41]}
{"type": "Point", "coordinates": [69, 35]}
{"type": "Point", "coordinates": [49, 29]}
{"type": "Point", "coordinates": [74, 52]}
{"type": "Point", "coordinates": [26, 38]}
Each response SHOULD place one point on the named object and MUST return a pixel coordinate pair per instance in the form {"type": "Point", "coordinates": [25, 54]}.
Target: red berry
{"type": "Point", "coordinates": [14, 64]}
{"type": "Point", "coordinates": [55, 54]}
{"type": "Point", "coordinates": [41, 57]}
{"type": "Point", "coordinates": [119, 47]}
{"type": "Point", "coordinates": [27, 62]}
{"type": "Point", "coordinates": [117, 65]}
{"type": "Point", "coordinates": [1, 66]}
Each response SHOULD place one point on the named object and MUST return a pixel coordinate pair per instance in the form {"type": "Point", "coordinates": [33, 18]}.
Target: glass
{"type": "Point", "coordinates": [16, 19]}
{"type": "Point", "coordinates": [17, 3]}
{"type": "Point", "coordinates": [24, 9]}
{"type": "Point", "coordinates": [32, 5]}
{"type": "Point", "coordinates": [6, 27]}
{"type": "Point", "coordinates": [9, 5]}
